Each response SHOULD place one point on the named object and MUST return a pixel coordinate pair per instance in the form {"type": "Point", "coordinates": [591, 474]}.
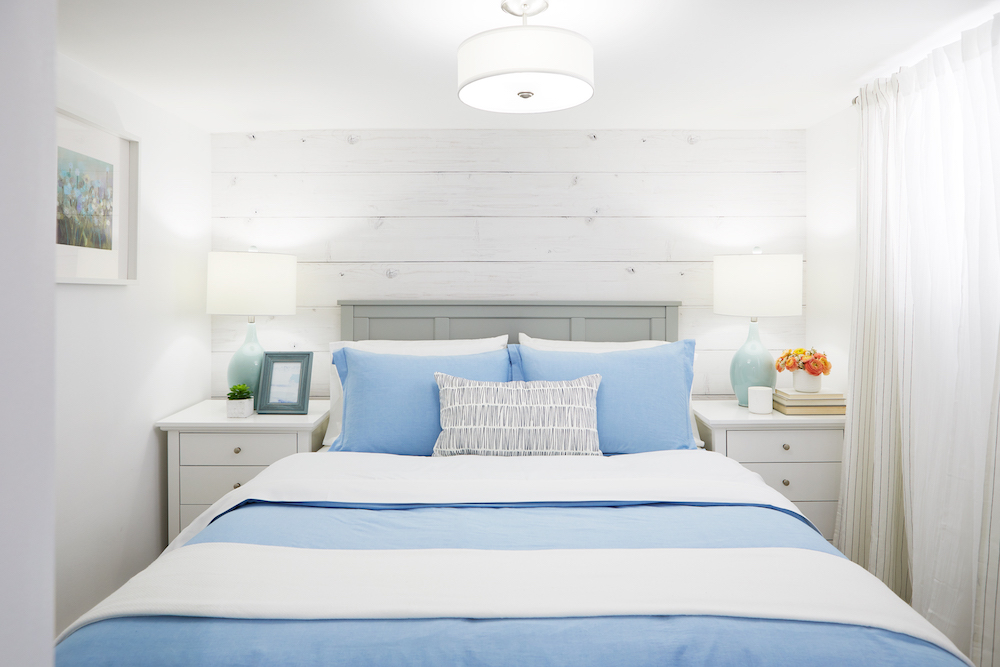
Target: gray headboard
{"type": "Point", "coordinates": [557, 320]}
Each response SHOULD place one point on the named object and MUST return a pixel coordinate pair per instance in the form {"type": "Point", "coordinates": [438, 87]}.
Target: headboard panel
{"type": "Point", "coordinates": [557, 320]}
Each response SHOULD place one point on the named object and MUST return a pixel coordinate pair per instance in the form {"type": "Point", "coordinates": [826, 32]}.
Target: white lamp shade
{"type": "Point", "coordinates": [497, 68]}
{"type": "Point", "coordinates": [251, 283]}
{"type": "Point", "coordinates": [757, 285]}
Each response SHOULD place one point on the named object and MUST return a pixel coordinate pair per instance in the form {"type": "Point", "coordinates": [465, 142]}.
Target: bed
{"type": "Point", "coordinates": [646, 551]}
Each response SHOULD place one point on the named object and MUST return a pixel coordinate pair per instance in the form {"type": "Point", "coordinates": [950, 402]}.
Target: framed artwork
{"type": "Point", "coordinates": [97, 203]}
{"type": "Point", "coordinates": [284, 383]}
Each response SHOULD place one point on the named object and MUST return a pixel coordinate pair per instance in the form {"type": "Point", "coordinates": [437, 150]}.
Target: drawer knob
{"type": "Point", "coordinates": [785, 482]}
{"type": "Point", "coordinates": [238, 450]}
{"type": "Point", "coordinates": [786, 447]}
{"type": "Point", "coordinates": [237, 484]}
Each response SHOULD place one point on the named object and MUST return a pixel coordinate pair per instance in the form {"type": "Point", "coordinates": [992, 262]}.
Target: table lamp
{"type": "Point", "coordinates": [755, 286]}
{"type": "Point", "coordinates": [250, 283]}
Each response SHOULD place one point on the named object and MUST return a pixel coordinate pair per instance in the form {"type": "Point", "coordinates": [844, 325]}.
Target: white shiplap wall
{"type": "Point", "coordinates": [511, 214]}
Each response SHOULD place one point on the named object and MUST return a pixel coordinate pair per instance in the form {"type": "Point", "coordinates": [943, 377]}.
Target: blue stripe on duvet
{"type": "Point", "coordinates": [632, 641]}
{"type": "Point", "coordinates": [627, 527]}
{"type": "Point", "coordinates": [635, 641]}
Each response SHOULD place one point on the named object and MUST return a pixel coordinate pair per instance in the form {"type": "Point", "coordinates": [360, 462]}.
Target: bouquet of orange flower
{"type": "Point", "coordinates": [810, 361]}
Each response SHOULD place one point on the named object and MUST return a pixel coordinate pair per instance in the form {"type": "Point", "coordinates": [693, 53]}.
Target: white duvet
{"type": "Point", "coordinates": [254, 581]}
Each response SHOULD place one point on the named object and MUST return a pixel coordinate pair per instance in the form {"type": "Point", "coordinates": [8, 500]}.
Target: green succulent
{"type": "Point", "coordinates": [239, 391]}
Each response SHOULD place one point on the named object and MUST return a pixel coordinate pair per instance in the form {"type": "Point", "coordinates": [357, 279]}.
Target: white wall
{"type": "Point", "coordinates": [127, 356]}
{"type": "Point", "coordinates": [27, 270]}
{"type": "Point", "coordinates": [831, 238]}
{"type": "Point", "coordinates": [508, 214]}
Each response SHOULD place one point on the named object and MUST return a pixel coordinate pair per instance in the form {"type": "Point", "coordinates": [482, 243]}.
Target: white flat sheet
{"type": "Point", "coordinates": [254, 581]}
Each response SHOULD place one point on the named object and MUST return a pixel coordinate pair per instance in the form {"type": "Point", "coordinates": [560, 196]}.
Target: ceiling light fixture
{"type": "Point", "coordinates": [525, 69]}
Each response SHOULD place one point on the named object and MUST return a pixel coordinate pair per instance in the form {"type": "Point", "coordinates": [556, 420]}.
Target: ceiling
{"type": "Point", "coordinates": [240, 65]}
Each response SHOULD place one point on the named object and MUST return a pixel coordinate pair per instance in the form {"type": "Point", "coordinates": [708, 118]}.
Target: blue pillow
{"type": "Point", "coordinates": [643, 404]}
{"type": "Point", "coordinates": [391, 401]}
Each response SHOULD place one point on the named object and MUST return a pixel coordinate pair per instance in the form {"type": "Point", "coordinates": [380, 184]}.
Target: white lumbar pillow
{"type": "Point", "coordinates": [415, 348]}
{"type": "Point", "coordinates": [518, 418]}
{"type": "Point", "coordinates": [599, 346]}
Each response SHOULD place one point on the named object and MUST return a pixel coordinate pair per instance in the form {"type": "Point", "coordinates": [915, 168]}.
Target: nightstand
{"type": "Point", "coordinates": [209, 455]}
{"type": "Point", "coordinates": [799, 455]}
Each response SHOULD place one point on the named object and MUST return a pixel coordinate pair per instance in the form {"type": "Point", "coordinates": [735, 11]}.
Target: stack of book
{"type": "Point", "coordinates": [796, 403]}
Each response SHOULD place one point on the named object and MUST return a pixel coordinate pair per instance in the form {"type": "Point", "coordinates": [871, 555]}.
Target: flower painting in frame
{"type": "Point", "coordinates": [96, 203]}
{"type": "Point", "coordinates": [84, 200]}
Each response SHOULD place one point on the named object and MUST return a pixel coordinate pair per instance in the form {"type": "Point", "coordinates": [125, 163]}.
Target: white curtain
{"type": "Point", "coordinates": [917, 498]}
{"type": "Point", "coordinates": [870, 522]}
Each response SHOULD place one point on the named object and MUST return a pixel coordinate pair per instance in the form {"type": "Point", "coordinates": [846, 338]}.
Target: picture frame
{"type": "Point", "coordinates": [284, 383]}
{"type": "Point", "coordinates": [97, 203]}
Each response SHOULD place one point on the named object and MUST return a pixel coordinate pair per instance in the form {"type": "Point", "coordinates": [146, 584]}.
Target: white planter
{"type": "Point", "coordinates": [806, 383]}
{"type": "Point", "coordinates": [240, 408]}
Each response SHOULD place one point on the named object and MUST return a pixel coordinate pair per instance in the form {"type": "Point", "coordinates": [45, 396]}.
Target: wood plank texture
{"type": "Point", "coordinates": [322, 284]}
{"type": "Point", "coordinates": [510, 239]}
{"type": "Point", "coordinates": [309, 330]}
{"type": "Point", "coordinates": [529, 151]}
{"type": "Point", "coordinates": [508, 194]}
{"type": "Point", "coordinates": [506, 214]}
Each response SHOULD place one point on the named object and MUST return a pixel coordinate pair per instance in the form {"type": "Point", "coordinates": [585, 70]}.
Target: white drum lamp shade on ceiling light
{"type": "Point", "coordinates": [525, 69]}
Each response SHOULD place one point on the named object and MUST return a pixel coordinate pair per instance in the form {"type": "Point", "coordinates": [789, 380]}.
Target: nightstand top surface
{"type": "Point", "coordinates": [729, 413]}
{"type": "Point", "coordinates": [210, 415]}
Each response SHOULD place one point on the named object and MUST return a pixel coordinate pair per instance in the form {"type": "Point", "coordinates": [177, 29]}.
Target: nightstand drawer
{"type": "Point", "coordinates": [235, 449]}
{"type": "Point", "coordinates": [806, 481]}
{"type": "Point", "coordinates": [191, 512]}
{"type": "Point", "coordinates": [822, 514]}
{"type": "Point", "coordinates": [784, 445]}
{"type": "Point", "coordinates": [203, 485]}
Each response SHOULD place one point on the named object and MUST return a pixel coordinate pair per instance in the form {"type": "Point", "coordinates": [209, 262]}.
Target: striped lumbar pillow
{"type": "Point", "coordinates": [517, 418]}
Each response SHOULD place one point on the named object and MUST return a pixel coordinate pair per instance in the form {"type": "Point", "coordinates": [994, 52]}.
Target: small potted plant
{"type": "Point", "coordinates": [807, 366]}
{"type": "Point", "coordinates": [240, 403]}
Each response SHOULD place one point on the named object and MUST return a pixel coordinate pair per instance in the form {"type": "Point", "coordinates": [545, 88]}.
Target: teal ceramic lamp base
{"type": "Point", "coordinates": [244, 368]}
{"type": "Point", "coordinates": [752, 366]}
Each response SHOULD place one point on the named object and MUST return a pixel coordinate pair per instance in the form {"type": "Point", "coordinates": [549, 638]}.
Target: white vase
{"type": "Point", "coordinates": [805, 383]}
{"type": "Point", "coordinates": [240, 408]}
